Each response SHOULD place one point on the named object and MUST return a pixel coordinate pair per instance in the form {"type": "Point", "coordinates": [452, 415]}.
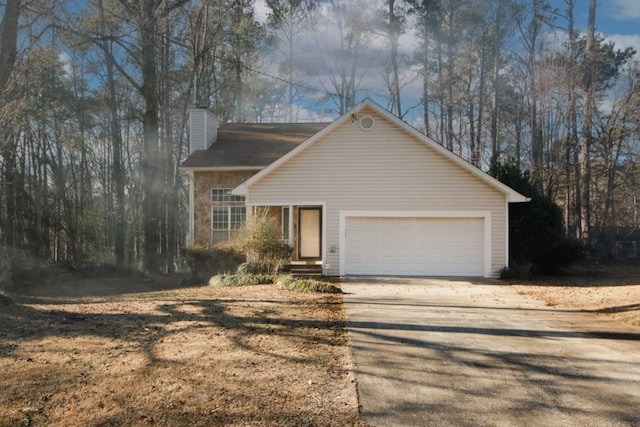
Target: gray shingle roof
{"type": "Point", "coordinates": [252, 145]}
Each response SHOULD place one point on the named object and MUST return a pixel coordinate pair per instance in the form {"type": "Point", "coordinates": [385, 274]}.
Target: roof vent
{"type": "Point", "coordinates": [366, 123]}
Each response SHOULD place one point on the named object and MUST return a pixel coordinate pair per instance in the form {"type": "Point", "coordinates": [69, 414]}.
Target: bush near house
{"type": "Point", "coordinates": [240, 279]}
{"type": "Point", "coordinates": [537, 239]}
{"type": "Point", "coordinates": [261, 240]}
{"type": "Point", "coordinates": [249, 268]}
{"type": "Point", "coordinates": [306, 285]}
{"type": "Point", "coordinates": [283, 281]}
{"type": "Point", "coordinates": [205, 260]}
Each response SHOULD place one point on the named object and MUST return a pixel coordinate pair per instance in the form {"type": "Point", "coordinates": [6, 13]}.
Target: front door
{"type": "Point", "coordinates": [309, 233]}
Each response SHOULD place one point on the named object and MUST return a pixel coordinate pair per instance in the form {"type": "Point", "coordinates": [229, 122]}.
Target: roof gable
{"type": "Point", "coordinates": [356, 114]}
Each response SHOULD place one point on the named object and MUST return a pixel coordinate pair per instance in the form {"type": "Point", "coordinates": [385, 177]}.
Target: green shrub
{"type": "Point", "coordinates": [536, 231]}
{"type": "Point", "coordinates": [240, 280]}
{"type": "Point", "coordinates": [205, 260]}
{"type": "Point", "coordinates": [5, 300]}
{"type": "Point", "coordinates": [249, 268]}
{"type": "Point", "coordinates": [558, 257]}
{"type": "Point", "coordinates": [516, 271]}
{"type": "Point", "coordinates": [307, 285]}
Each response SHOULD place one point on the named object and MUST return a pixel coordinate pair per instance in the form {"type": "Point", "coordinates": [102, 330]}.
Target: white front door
{"type": "Point", "coordinates": [310, 231]}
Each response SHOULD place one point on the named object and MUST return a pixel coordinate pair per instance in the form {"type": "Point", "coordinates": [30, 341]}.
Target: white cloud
{"type": "Point", "coordinates": [67, 66]}
{"type": "Point", "coordinates": [623, 41]}
{"type": "Point", "coordinates": [626, 9]}
{"type": "Point", "coordinates": [318, 57]}
{"type": "Point", "coordinates": [261, 11]}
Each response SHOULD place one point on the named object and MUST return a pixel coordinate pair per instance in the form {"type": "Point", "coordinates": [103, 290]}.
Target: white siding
{"type": "Point", "coordinates": [203, 129]}
{"type": "Point", "coordinates": [382, 169]}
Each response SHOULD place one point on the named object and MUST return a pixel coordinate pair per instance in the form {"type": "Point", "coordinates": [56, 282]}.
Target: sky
{"type": "Point", "coordinates": [618, 20]}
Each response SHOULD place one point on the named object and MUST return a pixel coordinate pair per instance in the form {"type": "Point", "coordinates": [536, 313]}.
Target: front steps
{"type": "Point", "coordinates": [305, 271]}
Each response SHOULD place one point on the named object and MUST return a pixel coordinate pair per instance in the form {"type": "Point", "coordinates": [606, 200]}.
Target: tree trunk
{"type": "Point", "coordinates": [170, 196]}
{"type": "Point", "coordinates": [116, 141]}
{"type": "Point", "coordinates": [572, 219]}
{"type": "Point", "coordinates": [585, 166]}
{"type": "Point", "coordinates": [290, 41]}
{"type": "Point", "coordinates": [533, 32]}
{"type": "Point", "coordinates": [151, 175]}
{"type": "Point", "coordinates": [441, 100]}
{"type": "Point", "coordinates": [473, 149]}
{"type": "Point", "coordinates": [9, 156]}
{"type": "Point", "coordinates": [425, 78]}
{"type": "Point", "coordinates": [8, 40]}
{"type": "Point", "coordinates": [450, 68]}
{"type": "Point", "coordinates": [394, 33]}
{"type": "Point", "coordinates": [495, 147]}
{"type": "Point", "coordinates": [480, 120]}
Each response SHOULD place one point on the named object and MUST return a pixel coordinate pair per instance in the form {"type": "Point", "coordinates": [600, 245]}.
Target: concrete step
{"type": "Point", "coordinates": [306, 271]}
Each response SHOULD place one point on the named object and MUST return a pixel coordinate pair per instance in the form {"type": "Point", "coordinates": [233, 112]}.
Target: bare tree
{"type": "Point", "coordinates": [585, 136]}
{"type": "Point", "coordinates": [393, 26]}
{"type": "Point", "coordinates": [346, 64]}
{"type": "Point", "coordinates": [116, 138]}
{"type": "Point", "coordinates": [572, 216]}
{"type": "Point", "coordinates": [8, 40]}
{"type": "Point", "coordinates": [290, 19]}
{"type": "Point", "coordinates": [427, 14]}
{"type": "Point", "coordinates": [530, 21]}
{"type": "Point", "coordinates": [500, 31]}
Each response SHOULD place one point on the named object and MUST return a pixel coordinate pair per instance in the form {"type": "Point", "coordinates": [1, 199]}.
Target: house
{"type": "Point", "coordinates": [365, 194]}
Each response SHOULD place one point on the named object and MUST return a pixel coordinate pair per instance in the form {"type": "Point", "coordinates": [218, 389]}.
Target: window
{"type": "Point", "coordinates": [224, 196]}
{"type": "Point", "coordinates": [227, 214]}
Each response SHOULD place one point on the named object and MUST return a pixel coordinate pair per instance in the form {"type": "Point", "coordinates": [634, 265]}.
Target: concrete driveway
{"type": "Point", "coordinates": [475, 353]}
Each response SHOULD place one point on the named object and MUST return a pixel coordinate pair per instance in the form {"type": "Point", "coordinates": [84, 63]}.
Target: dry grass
{"type": "Point", "coordinates": [609, 290]}
{"type": "Point", "coordinates": [197, 356]}
{"type": "Point", "coordinates": [129, 351]}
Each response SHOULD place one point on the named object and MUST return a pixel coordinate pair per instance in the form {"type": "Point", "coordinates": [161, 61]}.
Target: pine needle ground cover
{"type": "Point", "coordinates": [200, 356]}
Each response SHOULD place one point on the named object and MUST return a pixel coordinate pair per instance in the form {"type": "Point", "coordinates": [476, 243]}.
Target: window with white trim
{"type": "Point", "coordinates": [228, 212]}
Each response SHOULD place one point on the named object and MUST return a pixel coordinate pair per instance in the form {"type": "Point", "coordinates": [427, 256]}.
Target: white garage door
{"type": "Point", "coordinates": [414, 246]}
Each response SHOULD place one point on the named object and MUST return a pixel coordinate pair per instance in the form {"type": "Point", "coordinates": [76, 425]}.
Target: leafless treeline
{"type": "Point", "coordinates": [96, 94]}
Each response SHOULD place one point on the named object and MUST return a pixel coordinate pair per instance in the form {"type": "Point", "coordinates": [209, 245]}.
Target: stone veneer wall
{"type": "Point", "coordinates": [203, 183]}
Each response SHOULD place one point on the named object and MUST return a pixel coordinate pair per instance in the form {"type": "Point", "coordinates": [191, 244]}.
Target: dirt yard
{"type": "Point", "coordinates": [608, 290]}
{"type": "Point", "coordinates": [195, 356]}
{"type": "Point", "coordinates": [126, 351]}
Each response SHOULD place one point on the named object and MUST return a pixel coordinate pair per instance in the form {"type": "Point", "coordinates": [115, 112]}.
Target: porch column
{"type": "Point", "coordinates": [248, 214]}
{"type": "Point", "coordinates": [291, 225]}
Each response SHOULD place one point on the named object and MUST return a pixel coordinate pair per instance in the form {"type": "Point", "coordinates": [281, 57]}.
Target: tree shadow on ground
{"type": "Point", "coordinates": [162, 349]}
{"type": "Point", "coordinates": [616, 309]}
{"type": "Point", "coordinates": [468, 375]}
{"type": "Point", "coordinates": [20, 323]}
{"type": "Point", "coordinates": [61, 289]}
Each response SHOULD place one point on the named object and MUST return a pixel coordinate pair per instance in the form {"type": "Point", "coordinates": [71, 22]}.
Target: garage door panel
{"type": "Point", "coordinates": [414, 246]}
